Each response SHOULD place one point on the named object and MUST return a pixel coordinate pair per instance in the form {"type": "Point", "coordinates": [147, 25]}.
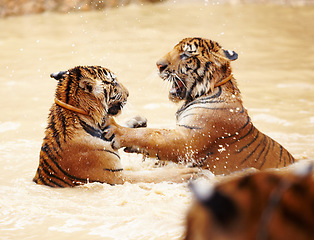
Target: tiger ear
{"type": "Point", "coordinates": [87, 85]}
{"type": "Point", "coordinates": [59, 75]}
{"type": "Point", "coordinates": [222, 207]}
{"type": "Point", "coordinates": [91, 86]}
{"type": "Point", "coordinates": [231, 55]}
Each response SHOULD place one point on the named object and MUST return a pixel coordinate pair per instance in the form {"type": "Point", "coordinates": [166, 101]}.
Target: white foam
{"type": "Point", "coordinates": [9, 126]}
{"type": "Point", "coordinates": [152, 106]}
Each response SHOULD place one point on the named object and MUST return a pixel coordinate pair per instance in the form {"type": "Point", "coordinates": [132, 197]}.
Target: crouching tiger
{"type": "Point", "coordinates": [213, 128]}
{"type": "Point", "coordinates": [74, 149]}
{"type": "Point", "coordinates": [263, 205]}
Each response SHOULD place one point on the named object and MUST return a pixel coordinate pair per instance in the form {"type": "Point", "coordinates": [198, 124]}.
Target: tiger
{"type": "Point", "coordinates": [263, 205]}
{"type": "Point", "coordinates": [213, 129]}
{"type": "Point", "coordinates": [74, 150]}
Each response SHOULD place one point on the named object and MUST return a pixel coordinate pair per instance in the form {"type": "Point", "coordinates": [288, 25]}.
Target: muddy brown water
{"type": "Point", "coordinates": [275, 72]}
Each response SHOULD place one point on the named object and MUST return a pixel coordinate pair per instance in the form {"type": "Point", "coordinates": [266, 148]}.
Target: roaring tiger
{"type": "Point", "coordinates": [74, 150]}
{"type": "Point", "coordinates": [263, 205]}
{"type": "Point", "coordinates": [213, 129]}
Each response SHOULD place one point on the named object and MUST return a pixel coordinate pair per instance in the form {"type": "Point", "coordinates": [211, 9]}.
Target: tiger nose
{"type": "Point", "coordinates": [161, 65]}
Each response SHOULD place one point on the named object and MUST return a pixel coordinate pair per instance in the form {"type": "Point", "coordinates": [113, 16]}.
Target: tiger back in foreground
{"type": "Point", "coordinates": [74, 150]}
{"type": "Point", "coordinates": [213, 129]}
{"type": "Point", "coordinates": [260, 206]}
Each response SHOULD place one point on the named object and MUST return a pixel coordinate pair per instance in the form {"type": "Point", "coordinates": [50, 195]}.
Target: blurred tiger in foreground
{"type": "Point", "coordinates": [74, 149]}
{"type": "Point", "coordinates": [213, 128]}
{"type": "Point", "coordinates": [264, 205]}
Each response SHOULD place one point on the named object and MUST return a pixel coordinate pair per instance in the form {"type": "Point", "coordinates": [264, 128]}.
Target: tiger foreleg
{"type": "Point", "coordinates": [165, 144]}
{"type": "Point", "coordinates": [136, 122]}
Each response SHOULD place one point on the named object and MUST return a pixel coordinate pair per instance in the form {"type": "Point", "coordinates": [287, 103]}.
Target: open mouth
{"type": "Point", "coordinates": [178, 89]}
{"type": "Point", "coordinates": [115, 108]}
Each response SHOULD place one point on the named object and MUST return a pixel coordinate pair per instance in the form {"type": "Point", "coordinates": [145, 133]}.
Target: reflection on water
{"type": "Point", "coordinates": [274, 71]}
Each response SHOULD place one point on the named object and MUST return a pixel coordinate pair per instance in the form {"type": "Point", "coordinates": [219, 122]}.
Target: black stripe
{"type": "Point", "coordinates": [273, 144]}
{"type": "Point", "coordinates": [264, 146]}
{"type": "Point", "coordinates": [291, 160]}
{"type": "Point", "coordinates": [105, 71]}
{"type": "Point", "coordinates": [51, 183]}
{"type": "Point", "coordinates": [112, 152]}
{"type": "Point", "coordinates": [40, 177]}
{"type": "Point", "coordinates": [55, 133]}
{"type": "Point", "coordinates": [109, 139]}
{"type": "Point", "coordinates": [297, 219]}
{"type": "Point", "coordinates": [207, 64]}
{"type": "Point", "coordinates": [198, 65]}
{"type": "Point", "coordinates": [184, 107]}
{"type": "Point", "coordinates": [106, 95]}
{"type": "Point", "coordinates": [207, 101]}
{"type": "Point", "coordinates": [263, 149]}
{"type": "Point", "coordinates": [67, 90]}
{"type": "Point", "coordinates": [190, 114]}
{"type": "Point", "coordinates": [189, 127]}
{"type": "Point", "coordinates": [188, 95]}
{"type": "Point", "coordinates": [211, 108]}
{"type": "Point", "coordinates": [268, 147]}
{"type": "Point", "coordinates": [248, 156]}
{"type": "Point", "coordinates": [113, 170]}
{"type": "Point", "coordinates": [49, 154]}
{"type": "Point", "coordinates": [44, 165]}
{"type": "Point", "coordinates": [53, 175]}
{"type": "Point", "coordinates": [206, 43]}
{"type": "Point", "coordinates": [240, 129]}
{"type": "Point", "coordinates": [252, 129]}
{"type": "Point", "coordinates": [64, 122]}
{"type": "Point", "coordinates": [96, 132]}
{"type": "Point", "coordinates": [91, 130]}
{"type": "Point", "coordinates": [281, 155]}
{"type": "Point", "coordinates": [49, 177]}
{"type": "Point", "coordinates": [250, 143]}
{"type": "Point", "coordinates": [91, 70]}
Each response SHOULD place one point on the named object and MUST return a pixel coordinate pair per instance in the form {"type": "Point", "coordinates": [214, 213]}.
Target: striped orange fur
{"type": "Point", "coordinates": [74, 150]}
{"type": "Point", "coordinates": [213, 130]}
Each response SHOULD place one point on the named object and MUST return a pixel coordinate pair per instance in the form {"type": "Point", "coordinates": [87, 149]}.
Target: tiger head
{"type": "Point", "coordinates": [194, 66]}
{"type": "Point", "coordinates": [93, 89]}
{"type": "Point", "coordinates": [256, 205]}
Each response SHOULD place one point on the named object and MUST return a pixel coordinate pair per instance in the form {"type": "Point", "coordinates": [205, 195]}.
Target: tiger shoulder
{"type": "Point", "coordinates": [213, 129]}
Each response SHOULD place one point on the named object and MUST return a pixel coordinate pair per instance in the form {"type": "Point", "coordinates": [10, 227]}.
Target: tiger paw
{"type": "Point", "coordinates": [136, 122]}
{"type": "Point", "coordinates": [135, 150]}
{"type": "Point", "coordinates": [109, 136]}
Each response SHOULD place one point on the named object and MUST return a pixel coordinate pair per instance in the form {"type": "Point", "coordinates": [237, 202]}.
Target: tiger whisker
{"type": "Point", "coordinates": [165, 85]}
{"type": "Point", "coordinates": [180, 79]}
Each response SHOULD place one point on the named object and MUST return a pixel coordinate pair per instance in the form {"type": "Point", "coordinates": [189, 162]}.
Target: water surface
{"type": "Point", "coordinates": [275, 72]}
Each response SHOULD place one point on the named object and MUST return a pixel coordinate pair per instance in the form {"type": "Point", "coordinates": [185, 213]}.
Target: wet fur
{"type": "Point", "coordinates": [264, 205]}
{"type": "Point", "coordinates": [213, 128]}
{"type": "Point", "coordinates": [74, 150]}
